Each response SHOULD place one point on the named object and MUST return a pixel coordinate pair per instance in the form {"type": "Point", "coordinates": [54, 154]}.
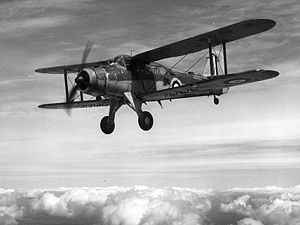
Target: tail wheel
{"type": "Point", "coordinates": [106, 127]}
{"type": "Point", "coordinates": [146, 121]}
{"type": "Point", "coordinates": [216, 100]}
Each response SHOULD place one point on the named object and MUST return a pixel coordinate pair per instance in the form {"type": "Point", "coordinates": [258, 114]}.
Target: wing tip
{"type": "Point", "coordinates": [268, 74]}
{"type": "Point", "coordinates": [43, 70]}
{"type": "Point", "coordinates": [265, 24]}
{"type": "Point", "coordinates": [38, 70]}
{"type": "Point", "coordinates": [61, 105]}
{"type": "Point", "coordinates": [272, 73]}
{"type": "Point", "coordinates": [46, 70]}
{"type": "Point", "coordinates": [44, 106]}
{"type": "Point", "coordinates": [268, 23]}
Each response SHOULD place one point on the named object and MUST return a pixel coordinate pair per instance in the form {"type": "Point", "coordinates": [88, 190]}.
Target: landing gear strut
{"type": "Point", "coordinates": [145, 121]}
{"type": "Point", "coordinates": [145, 118]}
{"type": "Point", "coordinates": [216, 100]}
{"type": "Point", "coordinates": [107, 123]}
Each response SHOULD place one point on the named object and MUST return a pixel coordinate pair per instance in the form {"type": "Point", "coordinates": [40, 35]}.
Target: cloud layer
{"type": "Point", "coordinates": [141, 205]}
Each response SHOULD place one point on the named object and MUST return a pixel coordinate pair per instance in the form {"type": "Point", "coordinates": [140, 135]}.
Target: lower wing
{"type": "Point", "coordinates": [213, 86]}
{"type": "Point", "coordinates": [80, 104]}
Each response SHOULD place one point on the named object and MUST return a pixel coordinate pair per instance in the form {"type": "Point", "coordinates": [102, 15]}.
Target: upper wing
{"type": "Point", "coordinates": [210, 86]}
{"type": "Point", "coordinates": [80, 104]}
{"type": "Point", "coordinates": [71, 68]}
{"type": "Point", "coordinates": [200, 42]}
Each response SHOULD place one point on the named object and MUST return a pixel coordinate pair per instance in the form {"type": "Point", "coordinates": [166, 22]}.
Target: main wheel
{"type": "Point", "coordinates": [105, 127]}
{"type": "Point", "coordinates": [145, 121]}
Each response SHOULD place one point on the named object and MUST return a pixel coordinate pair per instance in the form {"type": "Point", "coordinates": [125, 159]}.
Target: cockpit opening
{"type": "Point", "coordinates": [123, 60]}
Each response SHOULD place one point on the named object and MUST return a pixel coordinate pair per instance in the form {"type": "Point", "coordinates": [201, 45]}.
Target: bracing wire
{"type": "Point", "coordinates": [196, 62]}
{"type": "Point", "coordinates": [177, 64]}
{"type": "Point", "coordinates": [193, 65]}
{"type": "Point", "coordinates": [161, 76]}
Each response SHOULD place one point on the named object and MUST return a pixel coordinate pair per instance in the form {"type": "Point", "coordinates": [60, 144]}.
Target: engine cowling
{"type": "Point", "coordinates": [92, 81]}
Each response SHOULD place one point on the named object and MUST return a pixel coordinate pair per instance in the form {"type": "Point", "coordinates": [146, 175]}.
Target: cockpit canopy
{"type": "Point", "coordinates": [123, 60]}
{"type": "Point", "coordinates": [154, 67]}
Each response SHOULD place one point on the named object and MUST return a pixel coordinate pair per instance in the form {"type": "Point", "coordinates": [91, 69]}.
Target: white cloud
{"type": "Point", "coordinates": [249, 221]}
{"type": "Point", "coordinates": [23, 26]}
{"type": "Point", "coordinates": [10, 211]}
{"type": "Point", "coordinates": [128, 206]}
{"type": "Point", "coordinates": [283, 210]}
{"type": "Point", "coordinates": [19, 18]}
{"type": "Point", "coordinates": [7, 220]}
{"type": "Point", "coordinates": [240, 205]}
{"type": "Point", "coordinates": [272, 206]}
{"type": "Point", "coordinates": [142, 205]}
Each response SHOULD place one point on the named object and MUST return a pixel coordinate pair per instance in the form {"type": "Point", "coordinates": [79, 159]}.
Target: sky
{"type": "Point", "coordinates": [251, 139]}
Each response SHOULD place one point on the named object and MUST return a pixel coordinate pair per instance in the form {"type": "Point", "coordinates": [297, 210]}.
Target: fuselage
{"type": "Point", "coordinates": [123, 74]}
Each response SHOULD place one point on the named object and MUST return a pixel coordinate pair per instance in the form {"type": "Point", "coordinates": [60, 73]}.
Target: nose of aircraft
{"type": "Point", "coordinates": [91, 81]}
{"type": "Point", "coordinates": [82, 80]}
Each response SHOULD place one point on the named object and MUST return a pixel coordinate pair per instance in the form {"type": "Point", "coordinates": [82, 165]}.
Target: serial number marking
{"type": "Point", "coordinates": [188, 91]}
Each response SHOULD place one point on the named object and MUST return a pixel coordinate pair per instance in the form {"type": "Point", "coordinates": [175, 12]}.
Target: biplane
{"type": "Point", "coordinates": [136, 80]}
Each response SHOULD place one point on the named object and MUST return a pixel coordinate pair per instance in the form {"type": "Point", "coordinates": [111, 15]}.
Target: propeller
{"type": "Point", "coordinates": [88, 47]}
{"type": "Point", "coordinates": [82, 78]}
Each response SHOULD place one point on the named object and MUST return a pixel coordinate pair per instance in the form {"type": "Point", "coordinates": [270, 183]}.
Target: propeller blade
{"type": "Point", "coordinates": [86, 52]}
{"type": "Point", "coordinates": [68, 111]}
{"type": "Point", "coordinates": [71, 99]}
{"type": "Point", "coordinates": [73, 93]}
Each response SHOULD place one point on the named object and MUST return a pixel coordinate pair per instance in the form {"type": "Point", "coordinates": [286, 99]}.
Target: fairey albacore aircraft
{"type": "Point", "coordinates": [134, 80]}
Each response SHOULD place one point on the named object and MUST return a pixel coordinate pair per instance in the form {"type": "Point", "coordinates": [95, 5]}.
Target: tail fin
{"type": "Point", "coordinates": [217, 62]}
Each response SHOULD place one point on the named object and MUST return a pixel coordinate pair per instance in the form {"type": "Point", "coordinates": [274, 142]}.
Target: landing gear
{"type": "Point", "coordinates": [216, 100]}
{"type": "Point", "coordinates": [145, 121]}
{"type": "Point", "coordinates": [145, 118]}
{"type": "Point", "coordinates": [107, 126]}
{"type": "Point", "coordinates": [107, 123]}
